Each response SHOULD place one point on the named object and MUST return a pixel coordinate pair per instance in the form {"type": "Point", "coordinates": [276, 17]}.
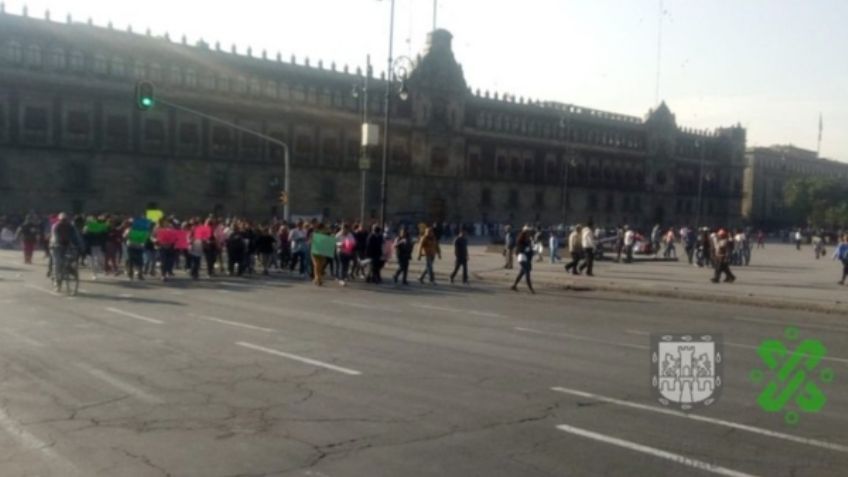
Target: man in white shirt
{"type": "Point", "coordinates": [629, 238]}
{"type": "Point", "coordinates": [588, 243]}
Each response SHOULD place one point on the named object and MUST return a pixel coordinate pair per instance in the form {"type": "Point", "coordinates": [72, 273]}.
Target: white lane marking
{"type": "Point", "coordinates": [133, 315]}
{"type": "Point", "coordinates": [32, 442]}
{"type": "Point", "coordinates": [580, 338]}
{"type": "Point", "coordinates": [740, 345]}
{"type": "Point", "coordinates": [232, 323]}
{"type": "Point", "coordinates": [361, 305]}
{"type": "Point", "coordinates": [676, 458]}
{"type": "Point", "coordinates": [42, 289]}
{"type": "Point", "coordinates": [302, 359]}
{"type": "Point", "coordinates": [24, 339]}
{"type": "Point", "coordinates": [125, 295]}
{"type": "Point", "coordinates": [457, 310]}
{"type": "Point", "coordinates": [709, 420]}
{"type": "Point", "coordinates": [123, 386]}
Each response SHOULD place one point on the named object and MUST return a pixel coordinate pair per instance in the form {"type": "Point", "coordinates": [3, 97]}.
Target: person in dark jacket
{"type": "Point", "coordinates": [265, 248]}
{"type": "Point", "coordinates": [403, 251]}
{"type": "Point", "coordinates": [460, 250]}
{"type": "Point", "coordinates": [524, 250]}
{"type": "Point", "coordinates": [236, 250]}
{"type": "Point", "coordinates": [374, 252]}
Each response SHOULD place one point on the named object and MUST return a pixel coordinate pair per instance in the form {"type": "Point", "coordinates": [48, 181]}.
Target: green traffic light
{"type": "Point", "coordinates": [147, 102]}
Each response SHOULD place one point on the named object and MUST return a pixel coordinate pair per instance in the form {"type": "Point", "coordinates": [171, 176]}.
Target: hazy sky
{"type": "Point", "coordinates": [772, 65]}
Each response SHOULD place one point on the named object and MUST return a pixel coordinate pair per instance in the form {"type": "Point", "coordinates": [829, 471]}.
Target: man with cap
{"type": "Point", "coordinates": [723, 250]}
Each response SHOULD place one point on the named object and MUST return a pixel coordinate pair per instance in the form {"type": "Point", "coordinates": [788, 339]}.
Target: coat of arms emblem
{"type": "Point", "coordinates": [686, 369]}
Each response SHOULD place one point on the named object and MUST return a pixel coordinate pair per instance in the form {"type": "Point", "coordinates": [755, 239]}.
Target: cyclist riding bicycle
{"type": "Point", "coordinates": [64, 241]}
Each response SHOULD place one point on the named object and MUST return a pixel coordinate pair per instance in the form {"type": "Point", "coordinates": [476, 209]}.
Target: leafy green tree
{"type": "Point", "coordinates": [817, 201]}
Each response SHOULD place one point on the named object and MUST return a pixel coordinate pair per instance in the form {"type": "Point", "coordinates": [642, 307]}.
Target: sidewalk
{"type": "Point", "coordinates": [778, 277]}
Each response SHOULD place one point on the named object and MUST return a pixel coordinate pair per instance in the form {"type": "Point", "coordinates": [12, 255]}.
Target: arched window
{"type": "Point", "coordinates": [77, 61]}
{"type": "Point", "coordinates": [241, 85]}
{"type": "Point", "coordinates": [33, 55]}
{"type": "Point", "coordinates": [190, 78]}
{"type": "Point", "coordinates": [14, 52]}
{"type": "Point", "coordinates": [100, 65]}
{"type": "Point", "coordinates": [57, 59]}
{"type": "Point", "coordinates": [155, 72]}
{"type": "Point", "coordinates": [175, 75]}
{"type": "Point", "coordinates": [119, 68]}
{"type": "Point", "coordinates": [139, 70]}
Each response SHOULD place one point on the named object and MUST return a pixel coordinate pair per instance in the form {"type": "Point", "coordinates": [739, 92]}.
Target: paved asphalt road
{"type": "Point", "coordinates": [250, 377]}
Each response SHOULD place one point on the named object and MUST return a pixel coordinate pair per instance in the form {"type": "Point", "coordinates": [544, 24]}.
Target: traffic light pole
{"type": "Point", "coordinates": [286, 159]}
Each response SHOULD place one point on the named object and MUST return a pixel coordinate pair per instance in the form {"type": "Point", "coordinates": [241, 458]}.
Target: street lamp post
{"type": "Point", "coordinates": [364, 161]}
{"type": "Point", "coordinates": [387, 118]}
{"type": "Point", "coordinates": [700, 146]}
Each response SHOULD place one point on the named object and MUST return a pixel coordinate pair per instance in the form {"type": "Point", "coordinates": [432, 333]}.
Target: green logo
{"type": "Point", "coordinates": [791, 376]}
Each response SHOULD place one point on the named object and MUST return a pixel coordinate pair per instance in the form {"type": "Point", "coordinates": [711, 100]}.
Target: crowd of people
{"type": "Point", "coordinates": [142, 247]}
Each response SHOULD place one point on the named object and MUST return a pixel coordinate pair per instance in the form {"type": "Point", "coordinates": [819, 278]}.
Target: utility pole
{"type": "Point", "coordinates": [388, 104]}
{"type": "Point", "coordinates": [365, 162]}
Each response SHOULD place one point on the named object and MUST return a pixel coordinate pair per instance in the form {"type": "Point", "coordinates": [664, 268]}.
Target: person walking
{"type": "Point", "coordinates": [265, 248]}
{"type": "Point", "coordinates": [629, 242]}
{"type": "Point", "coordinates": [575, 248]}
{"type": "Point", "coordinates": [509, 246]}
{"type": "Point", "coordinates": [403, 252]}
{"type": "Point", "coordinates": [655, 240]}
{"type": "Point", "coordinates": [723, 251]}
{"type": "Point", "coordinates": [28, 234]}
{"type": "Point", "coordinates": [374, 252]}
{"type": "Point", "coordinates": [428, 247]}
{"type": "Point", "coordinates": [587, 243]}
{"type": "Point", "coordinates": [841, 254]}
{"type": "Point", "coordinates": [346, 248]}
{"type": "Point", "coordinates": [460, 250]}
{"type": "Point", "coordinates": [553, 246]}
{"type": "Point", "coordinates": [319, 261]}
{"type": "Point", "coordinates": [798, 238]}
{"type": "Point", "coordinates": [524, 255]}
{"type": "Point", "coordinates": [761, 239]}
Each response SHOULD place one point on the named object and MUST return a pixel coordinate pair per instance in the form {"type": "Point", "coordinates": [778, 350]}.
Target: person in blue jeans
{"type": "Point", "coordinates": [841, 254]}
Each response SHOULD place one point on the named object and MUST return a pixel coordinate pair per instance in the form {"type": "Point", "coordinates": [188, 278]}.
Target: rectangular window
{"type": "Point", "coordinates": [513, 199]}
{"type": "Point", "coordinates": [35, 119]}
{"type": "Point", "coordinates": [303, 145]}
{"type": "Point", "coordinates": [275, 151]}
{"type": "Point", "coordinates": [486, 197]}
{"type": "Point", "coordinates": [221, 140]}
{"type": "Point", "coordinates": [438, 158]}
{"type": "Point", "coordinates": [328, 190]}
{"type": "Point", "coordinates": [474, 165]}
{"type": "Point", "coordinates": [501, 166]}
{"type": "Point", "coordinates": [330, 150]}
{"type": "Point", "coordinates": [153, 180]}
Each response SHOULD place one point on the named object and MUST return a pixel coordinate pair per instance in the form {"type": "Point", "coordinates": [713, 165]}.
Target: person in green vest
{"type": "Point", "coordinates": [136, 235]}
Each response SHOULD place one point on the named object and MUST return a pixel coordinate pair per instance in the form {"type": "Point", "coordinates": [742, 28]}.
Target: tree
{"type": "Point", "coordinates": [817, 201]}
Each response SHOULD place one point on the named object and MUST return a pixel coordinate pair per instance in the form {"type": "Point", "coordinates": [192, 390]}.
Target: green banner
{"type": "Point", "coordinates": [97, 227]}
{"type": "Point", "coordinates": [138, 237]}
{"type": "Point", "coordinates": [323, 245]}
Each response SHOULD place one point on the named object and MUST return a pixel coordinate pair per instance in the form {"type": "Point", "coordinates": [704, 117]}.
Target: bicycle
{"type": "Point", "coordinates": [69, 273]}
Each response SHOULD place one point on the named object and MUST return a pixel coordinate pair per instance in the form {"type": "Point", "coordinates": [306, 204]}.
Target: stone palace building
{"type": "Point", "coordinates": [72, 139]}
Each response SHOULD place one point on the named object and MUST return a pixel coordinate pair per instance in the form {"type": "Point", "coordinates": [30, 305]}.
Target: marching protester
{"type": "Point", "coordinates": [28, 234]}
{"type": "Point", "coordinates": [723, 248]}
{"type": "Point", "coordinates": [524, 255]}
{"type": "Point", "coordinates": [346, 249]}
{"type": "Point", "coordinates": [374, 252]}
{"type": "Point", "coordinates": [509, 246]}
{"type": "Point", "coordinates": [575, 248]}
{"type": "Point", "coordinates": [841, 254]}
{"type": "Point", "coordinates": [587, 244]}
{"type": "Point", "coordinates": [460, 250]}
{"type": "Point", "coordinates": [428, 247]}
{"type": "Point", "coordinates": [403, 252]}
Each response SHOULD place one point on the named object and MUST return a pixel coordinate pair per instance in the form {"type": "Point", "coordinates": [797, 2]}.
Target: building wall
{"type": "Point", "coordinates": [71, 139]}
{"type": "Point", "coordinates": [769, 169]}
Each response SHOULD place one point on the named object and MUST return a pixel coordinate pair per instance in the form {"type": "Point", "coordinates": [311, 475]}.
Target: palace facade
{"type": "Point", "coordinates": [72, 139]}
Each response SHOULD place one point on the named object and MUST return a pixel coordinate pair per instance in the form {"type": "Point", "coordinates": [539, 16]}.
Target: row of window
{"type": "Point", "coordinates": [551, 170]}
{"type": "Point", "coordinates": [554, 130]}
{"type": "Point", "coordinates": [56, 58]}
